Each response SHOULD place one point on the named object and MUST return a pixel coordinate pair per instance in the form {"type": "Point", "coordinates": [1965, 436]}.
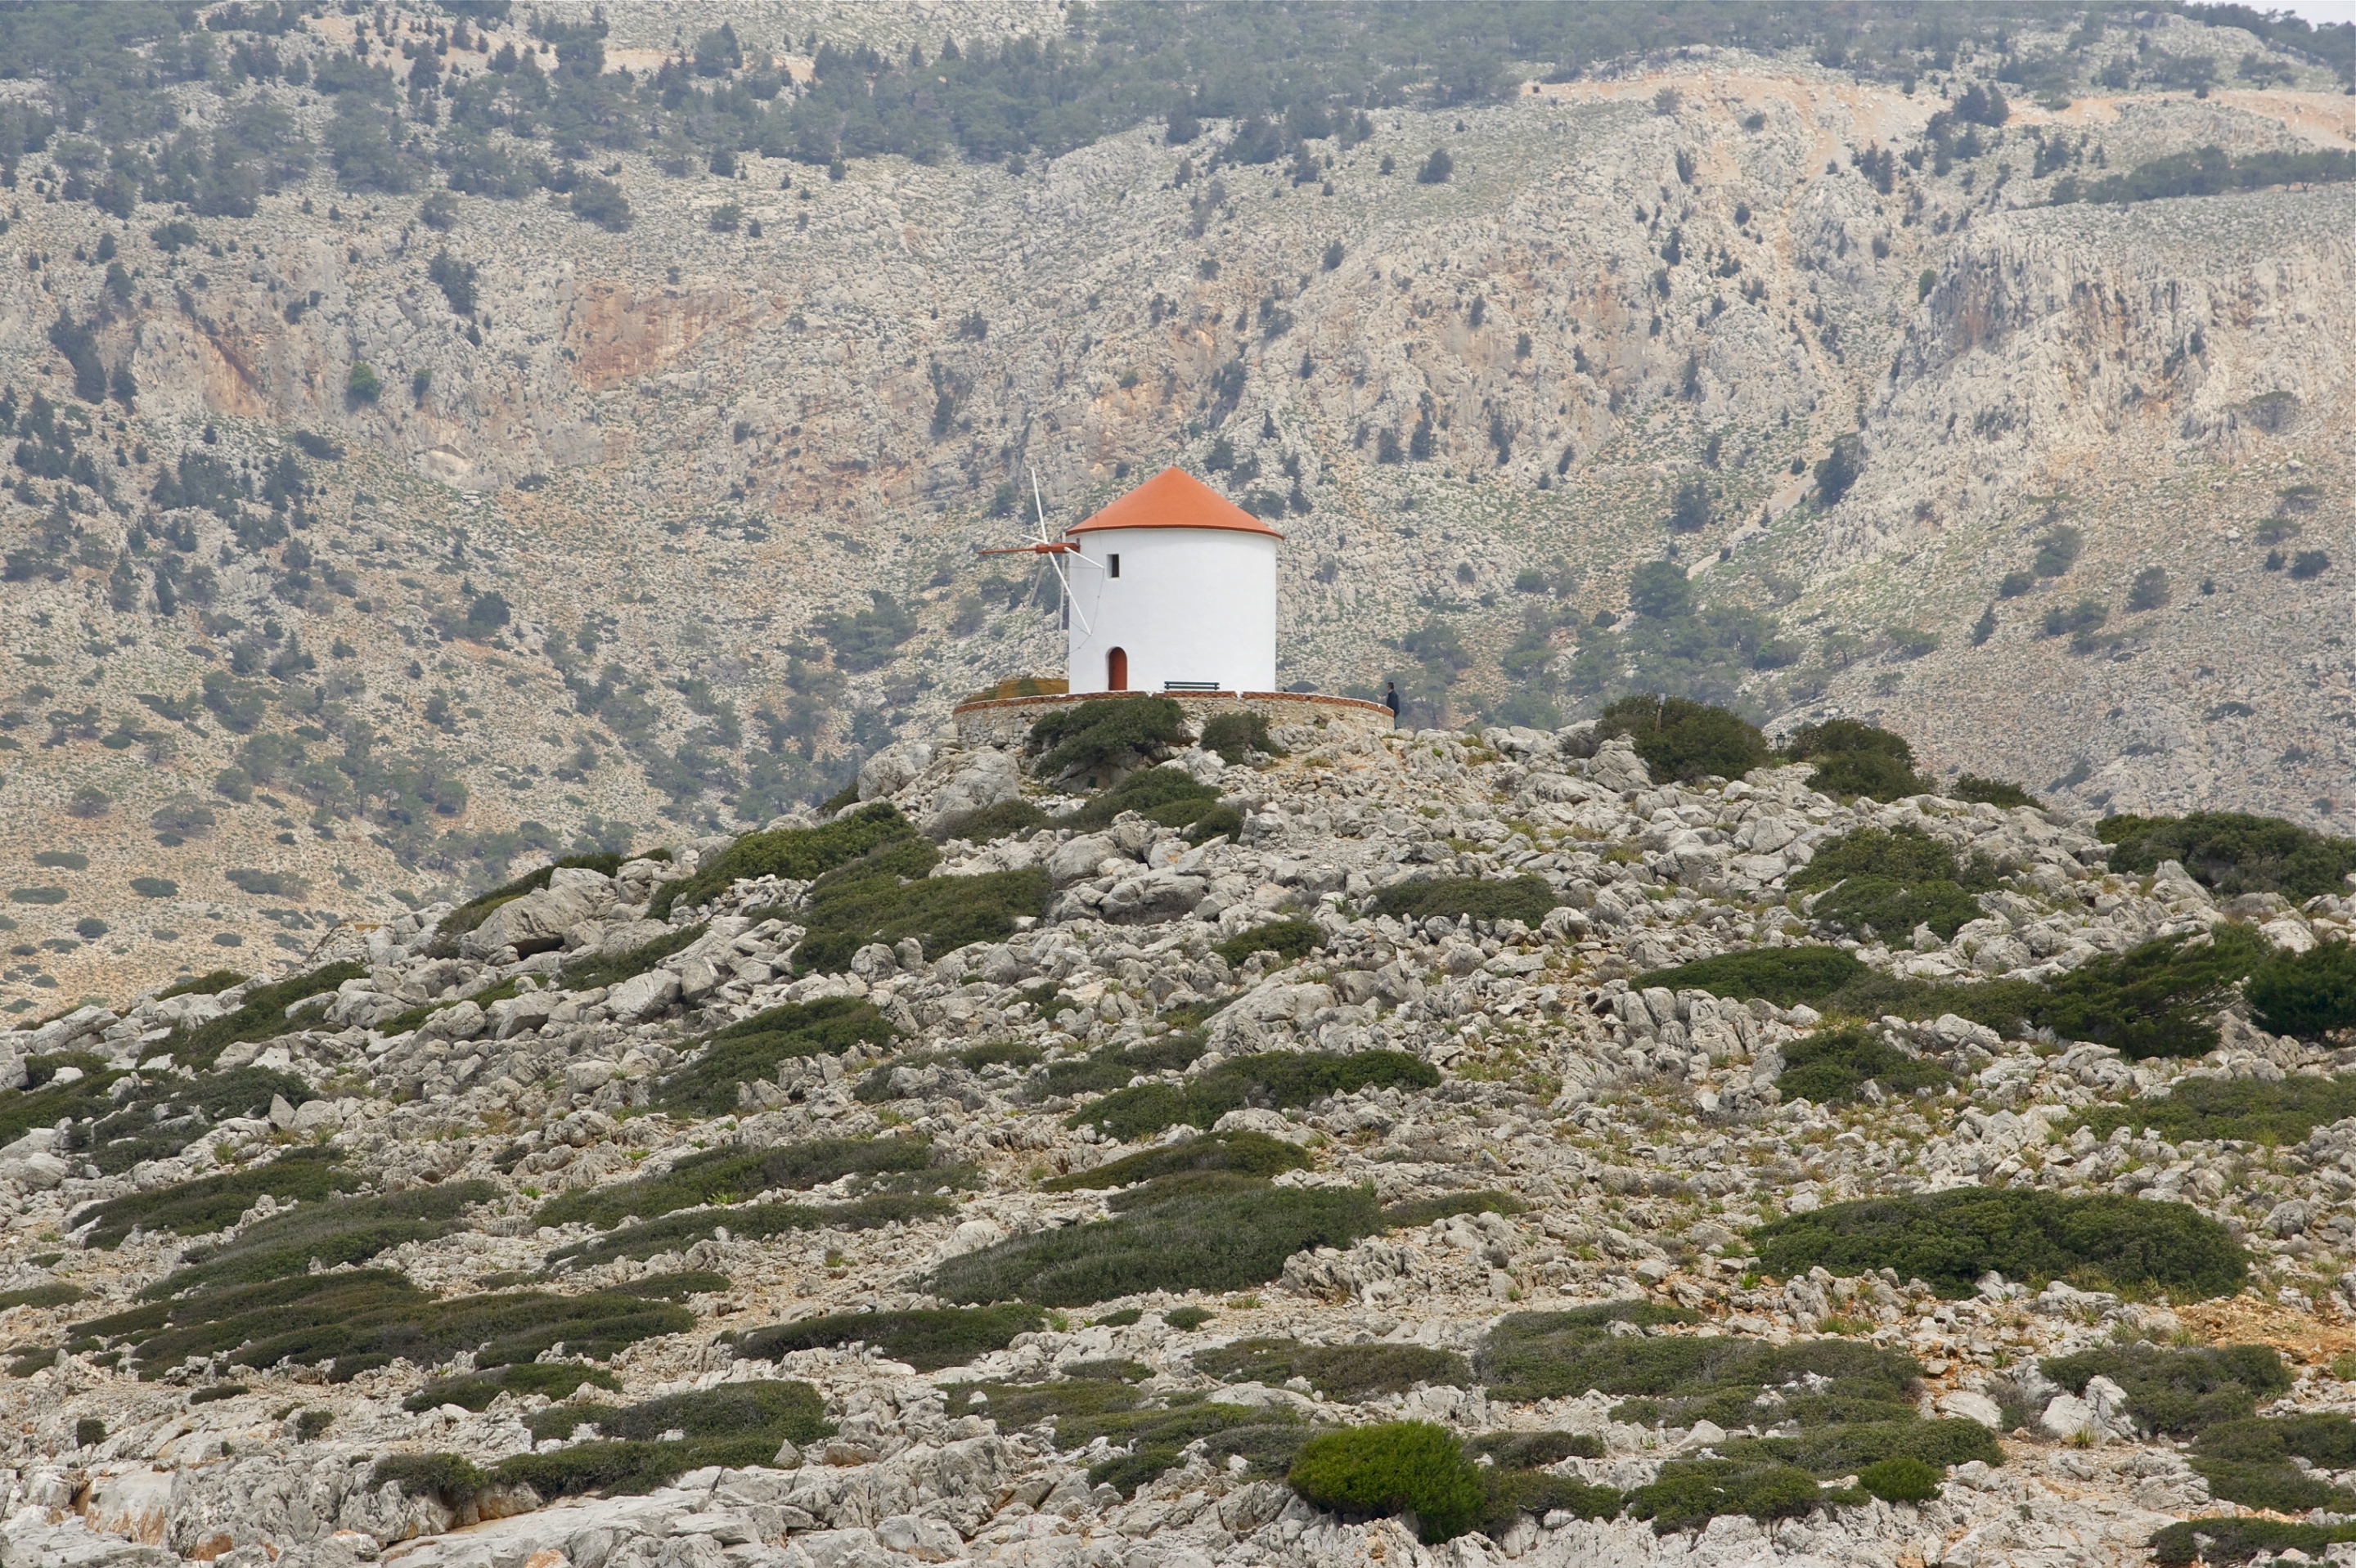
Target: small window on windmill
{"type": "Point", "coordinates": [1115, 561]}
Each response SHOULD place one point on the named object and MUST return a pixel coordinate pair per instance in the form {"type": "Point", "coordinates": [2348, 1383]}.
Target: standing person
{"type": "Point", "coordinates": [1391, 701]}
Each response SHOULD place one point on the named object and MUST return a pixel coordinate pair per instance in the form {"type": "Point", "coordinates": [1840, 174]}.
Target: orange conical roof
{"type": "Point", "coordinates": [1174, 498]}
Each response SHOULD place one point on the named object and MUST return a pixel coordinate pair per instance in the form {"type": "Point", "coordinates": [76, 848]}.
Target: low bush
{"type": "Point", "coordinates": [1786, 976]}
{"type": "Point", "coordinates": [1530, 1356]}
{"type": "Point", "coordinates": [1235, 736]}
{"type": "Point", "coordinates": [214, 1202]}
{"type": "Point", "coordinates": [1339, 1371]}
{"type": "Point", "coordinates": [1886, 883]}
{"type": "Point", "coordinates": [885, 896]}
{"type": "Point", "coordinates": [1509, 1492]}
{"type": "Point", "coordinates": [1526, 899]}
{"type": "Point", "coordinates": [1276, 1080]}
{"type": "Point", "coordinates": [1950, 1239]}
{"type": "Point", "coordinates": [216, 1392]}
{"type": "Point", "coordinates": [2223, 1543]}
{"type": "Point", "coordinates": [1399, 1466]}
{"type": "Point", "coordinates": [1285, 940]}
{"type": "Point", "coordinates": [260, 1015]}
{"type": "Point", "coordinates": [2178, 1393]}
{"type": "Point", "coordinates": [1091, 736]}
{"type": "Point", "coordinates": [338, 1230]}
{"type": "Point", "coordinates": [169, 1113]}
{"type": "Point", "coordinates": [733, 1425]}
{"type": "Point", "coordinates": [1241, 1153]}
{"type": "Point", "coordinates": [1689, 1493]}
{"type": "Point", "coordinates": [2158, 999]}
{"type": "Point", "coordinates": [1853, 757]}
{"type": "Point", "coordinates": [2310, 993]}
{"type": "Point", "coordinates": [2233, 852]}
{"type": "Point", "coordinates": [1186, 1320]}
{"type": "Point", "coordinates": [56, 1293]}
{"type": "Point", "coordinates": [721, 1175]}
{"type": "Point", "coordinates": [1155, 1429]}
{"type": "Point", "coordinates": [798, 854]}
{"type": "Point", "coordinates": [1223, 1241]}
{"type": "Point", "coordinates": [587, 974]}
{"type": "Point", "coordinates": [1685, 740]}
{"type": "Point", "coordinates": [1169, 796]}
{"type": "Point", "coordinates": [476, 909]}
{"type": "Point", "coordinates": [1112, 1066]}
{"type": "Point", "coordinates": [991, 823]}
{"type": "Point", "coordinates": [2000, 793]}
{"type": "Point", "coordinates": [2248, 1109]}
{"type": "Point", "coordinates": [2251, 1461]}
{"type": "Point", "coordinates": [553, 1379]}
{"type": "Point", "coordinates": [752, 1222]}
{"type": "Point", "coordinates": [208, 984]}
{"type": "Point", "coordinates": [753, 1048]}
{"type": "Point", "coordinates": [927, 1339]}
{"type": "Point", "coordinates": [364, 1318]}
{"type": "Point", "coordinates": [1900, 1479]}
{"type": "Point", "coordinates": [1832, 1065]}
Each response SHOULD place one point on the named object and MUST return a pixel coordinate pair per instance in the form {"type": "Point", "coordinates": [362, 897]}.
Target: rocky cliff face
{"type": "Point", "coordinates": [685, 459]}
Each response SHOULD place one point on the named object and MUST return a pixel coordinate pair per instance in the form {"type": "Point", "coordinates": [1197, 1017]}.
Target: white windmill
{"type": "Point", "coordinates": [1052, 550]}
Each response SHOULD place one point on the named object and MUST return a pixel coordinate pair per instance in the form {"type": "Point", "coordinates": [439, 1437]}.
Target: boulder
{"type": "Point", "coordinates": [537, 922]}
{"type": "Point", "coordinates": [1616, 767]}
{"type": "Point", "coordinates": [642, 997]}
{"type": "Point", "coordinates": [984, 778]}
{"type": "Point", "coordinates": [1963, 1405]}
{"type": "Point", "coordinates": [892, 769]}
{"type": "Point", "coordinates": [1080, 857]}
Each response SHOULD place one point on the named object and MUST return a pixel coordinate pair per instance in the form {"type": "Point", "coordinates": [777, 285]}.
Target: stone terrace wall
{"type": "Point", "coordinates": [1006, 721]}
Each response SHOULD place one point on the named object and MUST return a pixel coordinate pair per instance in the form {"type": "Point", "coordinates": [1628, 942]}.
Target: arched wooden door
{"type": "Point", "coordinates": [1117, 670]}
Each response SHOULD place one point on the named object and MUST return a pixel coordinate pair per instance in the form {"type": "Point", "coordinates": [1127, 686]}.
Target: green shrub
{"type": "Point", "coordinates": [2233, 852]}
{"type": "Point", "coordinates": [476, 909]}
{"type": "Point", "coordinates": [1509, 1493]}
{"type": "Point", "coordinates": [798, 854]}
{"type": "Point", "coordinates": [1340, 1372]}
{"type": "Point", "coordinates": [1887, 883]}
{"type": "Point", "coordinates": [1102, 1402]}
{"type": "Point", "coordinates": [1831, 1065]}
{"type": "Point", "coordinates": [214, 1202]}
{"type": "Point", "coordinates": [56, 1293]}
{"type": "Point", "coordinates": [1223, 1241]}
{"type": "Point", "coordinates": [611, 969]}
{"type": "Point", "coordinates": [312, 1424]}
{"type": "Point", "coordinates": [1688, 1494]}
{"type": "Point", "coordinates": [753, 1222]}
{"type": "Point", "coordinates": [753, 1048]}
{"type": "Point", "coordinates": [927, 1339]}
{"type": "Point", "coordinates": [44, 1103]}
{"type": "Point", "coordinates": [1528, 1450]}
{"type": "Point", "coordinates": [364, 1318]}
{"type": "Point", "coordinates": [209, 985]}
{"type": "Point", "coordinates": [1997, 793]}
{"type": "Point", "coordinates": [1784, 975]}
{"type": "Point", "coordinates": [718, 1175]}
{"type": "Point", "coordinates": [1278, 1080]}
{"type": "Point", "coordinates": [1287, 939]}
{"type": "Point", "coordinates": [2250, 1461]}
{"type": "Point", "coordinates": [1400, 1467]}
{"type": "Point", "coordinates": [216, 1392]}
{"type": "Point", "coordinates": [335, 1231]}
{"type": "Point", "coordinates": [1685, 740]}
{"type": "Point", "coordinates": [734, 1425]}
{"type": "Point", "coordinates": [1242, 1153]}
{"type": "Point", "coordinates": [1220, 821]}
{"type": "Point", "coordinates": [1843, 1448]}
{"type": "Point", "coordinates": [2222, 1541]}
{"type": "Point", "coordinates": [1949, 1239]}
{"type": "Point", "coordinates": [2157, 999]}
{"type": "Point", "coordinates": [261, 1015]}
{"type": "Point", "coordinates": [1186, 1320]}
{"type": "Point", "coordinates": [2310, 993]}
{"type": "Point", "coordinates": [2178, 1393]}
{"type": "Point", "coordinates": [169, 1113]}
{"type": "Point", "coordinates": [991, 823]}
{"type": "Point", "coordinates": [449, 1478]}
{"type": "Point", "coordinates": [1169, 796]}
{"type": "Point", "coordinates": [1096, 735]}
{"type": "Point", "coordinates": [1530, 1356]}
{"type": "Point", "coordinates": [1853, 757]}
{"type": "Point", "coordinates": [554, 1379]}
{"type": "Point", "coordinates": [1112, 1066]}
{"type": "Point", "coordinates": [885, 896]}
{"type": "Point", "coordinates": [1235, 736]}
{"type": "Point", "coordinates": [1526, 899]}
{"type": "Point", "coordinates": [2248, 1109]}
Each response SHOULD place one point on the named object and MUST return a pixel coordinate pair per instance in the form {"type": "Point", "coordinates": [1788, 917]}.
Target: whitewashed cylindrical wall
{"type": "Point", "coordinates": [1189, 605]}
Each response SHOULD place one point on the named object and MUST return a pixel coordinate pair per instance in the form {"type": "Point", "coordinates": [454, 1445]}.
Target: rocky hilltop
{"type": "Point", "coordinates": [391, 508]}
{"type": "Point", "coordinates": [1325, 1144]}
